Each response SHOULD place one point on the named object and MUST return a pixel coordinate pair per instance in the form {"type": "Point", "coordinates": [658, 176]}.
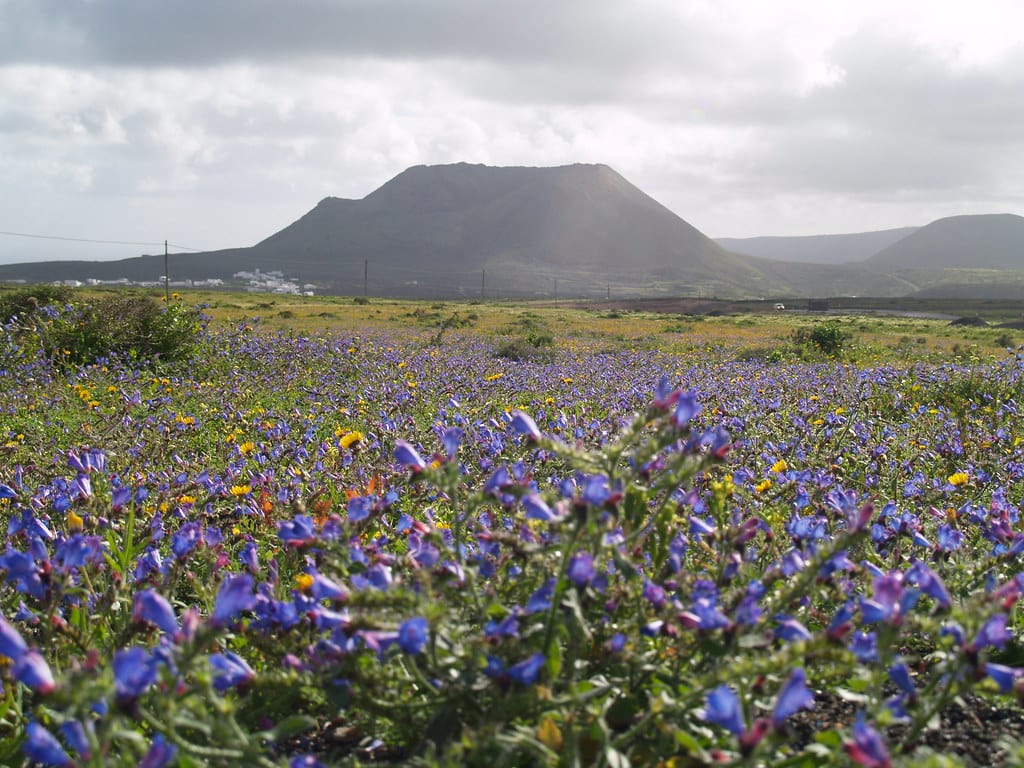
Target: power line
{"type": "Point", "coordinates": [91, 240]}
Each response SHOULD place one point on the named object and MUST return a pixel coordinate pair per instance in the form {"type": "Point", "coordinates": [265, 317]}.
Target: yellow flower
{"type": "Point", "coordinates": [780, 466]}
{"type": "Point", "coordinates": [75, 522]}
{"type": "Point", "coordinates": [240, 490]}
{"type": "Point", "coordinates": [247, 447]}
{"type": "Point", "coordinates": [958, 478]}
{"type": "Point", "coordinates": [763, 486]}
{"type": "Point", "coordinates": [303, 582]}
{"type": "Point", "coordinates": [549, 735]}
{"type": "Point", "coordinates": [351, 438]}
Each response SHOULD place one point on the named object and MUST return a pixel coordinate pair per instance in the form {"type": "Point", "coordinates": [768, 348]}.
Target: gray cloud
{"type": "Point", "coordinates": [742, 120]}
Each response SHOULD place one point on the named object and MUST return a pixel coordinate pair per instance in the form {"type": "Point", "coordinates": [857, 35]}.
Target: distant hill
{"type": "Point", "coordinates": [991, 241]}
{"type": "Point", "coordinates": [817, 249]}
{"type": "Point", "coordinates": [460, 230]}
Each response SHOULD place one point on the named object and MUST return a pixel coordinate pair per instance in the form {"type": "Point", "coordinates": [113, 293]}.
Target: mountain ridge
{"type": "Point", "coordinates": [471, 230]}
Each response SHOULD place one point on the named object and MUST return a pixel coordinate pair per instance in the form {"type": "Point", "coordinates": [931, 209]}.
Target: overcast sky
{"type": "Point", "coordinates": [215, 123]}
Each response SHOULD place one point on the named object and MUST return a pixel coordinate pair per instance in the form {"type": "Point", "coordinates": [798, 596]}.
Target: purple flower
{"type": "Point", "coordinates": [581, 569]}
{"type": "Point", "coordinates": [185, 539]}
{"type": "Point", "coordinates": [250, 557]}
{"type": "Point", "coordinates": [929, 582]}
{"type": "Point", "coordinates": [408, 457]}
{"type": "Point", "coordinates": [722, 707]}
{"type": "Point", "coordinates": [864, 646]}
{"type": "Point", "coordinates": [412, 634]}
{"type": "Point", "coordinates": [687, 408]}
{"type": "Point", "coordinates": [153, 607]}
{"type": "Point", "coordinates": [12, 644]}
{"type": "Point", "coordinates": [230, 671]}
{"type": "Point", "coordinates": [77, 738]}
{"type": "Point", "coordinates": [993, 633]}
{"type": "Point", "coordinates": [1005, 677]}
{"type": "Point", "coordinates": [42, 747]}
{"type": "Point", "coordinates": [540, 600]}
{"type": "Point", "coordinates": [297, 532]}
{"type": "Point", "coordinates": [794, 696]}
{"type": "Point", "coordinates": [891, 601]}
{"type": "Point", "coordinates": [32, 671]}
{"type": "Point", "coordinates": [537, 509]}
{"type": "Point", "coordinates": [900, 674]}
{"type": "Point", "coordinates": [526, 671]}
{"type": "Point", "coordinates": [134, 672]}
{"type": "Point", "coordinates": [790, 629]}
{"type": "Point", "coordinates": [450, 439]}
{"type": "Point", "coordinates": [303, 761]}
{"type": "Point", "coordinates": [359, 508]}
{"type": "Point", "coordinates": [161, 753]}
{"type": "Point", "coordinates": [324, 588]}
{"type": "Point", "coordinates": [378, 641]}
{"type": "Point", "coordinates": [234, 596]}
{"type": "Point", "coordinates": [654, 594]}
{"type": "Point", "coordinates": [868, 746]}
{"type": "Point", "coordinates": [522, 424]}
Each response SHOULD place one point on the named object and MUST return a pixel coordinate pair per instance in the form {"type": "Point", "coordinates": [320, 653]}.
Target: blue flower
{"type": "Point", "coordinates": [540, 600]}
{"type": "Point", "coordinates": [412, 634]}
{"type": "Point", "coordinates": [687, 409]}
{"type": "Point", "coordinates": [794, 696]}
{"type": "Point", "coordinates": [234, 596]}
{"type": "Point", "coordinates": [297, 532]}
{"type": "Point", "coordinates": [526, 671]}
{"type": "Point", "coordinates": [993, 633]}
{"type": "Point", "coordinates": [537, 509]}
{"type": "Point", "coordinates": [522, 424]}
{"type": "Point", "coordinates": [790, 629]}
{"type": "Point", "coordinates": [1005, 677]}
{"type": "Point", "coordinates": [900, 674]}
{"type": "Point", "coordinates": [161, 754]}
{"type": "Point", "coordinates": [153, 607]}
{"type": "Point", "coordinates": [408, 457]}
{"type": "Point", "coordinates": [722, 707]}
{"type": "Point", "coordinates": [134, 672]}
{"type": "Point", "coordinates": [32, 671]}
{"type": "Point", "coordinates": [868, 747]}
{"type": "Point", "coordinates": [864, 646]}
{"type": "Point", "coordinates": [42, 747]}
{"type": "Point", "coordinates": [230, 671]}
{"type": "Point", "coordinates": [581, 569]}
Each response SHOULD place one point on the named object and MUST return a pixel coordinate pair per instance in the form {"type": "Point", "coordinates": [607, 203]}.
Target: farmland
{"type": "Point", "coordinates": [356, 531]}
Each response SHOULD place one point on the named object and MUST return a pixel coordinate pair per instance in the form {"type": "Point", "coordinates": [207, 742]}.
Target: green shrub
{"type": "Point", "coordinates": [827, 337]}
{"type": "Point", "coordinates": [133, 326]}
{"type": "Point", "coordinates": [24, 302]}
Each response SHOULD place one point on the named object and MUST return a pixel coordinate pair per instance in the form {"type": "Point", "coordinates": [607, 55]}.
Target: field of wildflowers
{"type": "Point", "coordinates": [345, 547]}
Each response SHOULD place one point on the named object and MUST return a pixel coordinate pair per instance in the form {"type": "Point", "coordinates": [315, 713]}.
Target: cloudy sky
{"type": "Point", "coordinates": [215, 123]}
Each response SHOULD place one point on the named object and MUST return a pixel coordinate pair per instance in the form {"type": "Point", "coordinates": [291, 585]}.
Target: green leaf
{"type": "Point", "coordinates": [830, 739]}
{"type": "Point", "coordinates": [554, 660]}
{"type": "Point", "coordinates": [290, 726]}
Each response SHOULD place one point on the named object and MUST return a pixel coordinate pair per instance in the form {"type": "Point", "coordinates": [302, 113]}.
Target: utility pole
{"type": "Point", "coordinates": [366, 272]}
{"type": "Point", "coordinates": [167, 279]}
{"type": "Point", "coordinates": [609, 297]}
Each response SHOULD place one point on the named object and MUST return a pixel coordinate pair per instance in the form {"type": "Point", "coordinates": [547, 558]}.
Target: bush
{"type": "Point", "coordinates": [827, 337]}
{"type": "Point", "coordinates": [133, 326]}
{"type": "Point", "coordinates": [24, 302]}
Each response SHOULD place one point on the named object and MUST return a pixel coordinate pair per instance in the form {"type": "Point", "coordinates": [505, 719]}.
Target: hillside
{"type": "Point", "coordinates": [817, 249]}
{"type": "Point", "coordinates": [992, 241]}
{"type": "Point", "coordinates": [579, 230]}
{"type": "Point", "coordinates": [462, 229]}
